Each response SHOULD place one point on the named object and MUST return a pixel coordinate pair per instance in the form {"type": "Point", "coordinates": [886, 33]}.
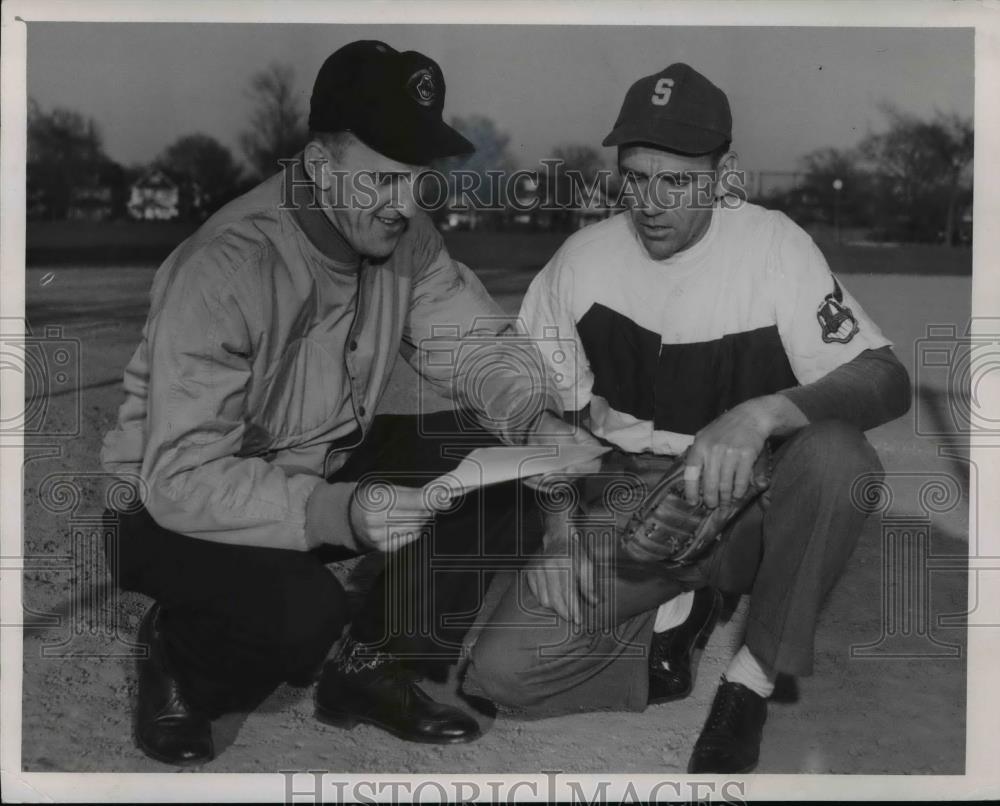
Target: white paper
{"type": "Point", "coordinates": [485, 466]}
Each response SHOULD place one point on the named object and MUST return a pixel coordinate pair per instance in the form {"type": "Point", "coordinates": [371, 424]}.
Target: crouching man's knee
{"type": "Point", "coordinates": [498, 671]}
{"type": "Point", "coordinates": [831, 451]}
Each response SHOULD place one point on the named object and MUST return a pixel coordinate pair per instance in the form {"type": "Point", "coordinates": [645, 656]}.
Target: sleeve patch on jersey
{"type": "Point", "coordinates": [837, 322]}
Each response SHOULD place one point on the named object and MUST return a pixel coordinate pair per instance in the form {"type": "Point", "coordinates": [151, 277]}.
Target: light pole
{"type": "Point", "coordinates": [838, 185]}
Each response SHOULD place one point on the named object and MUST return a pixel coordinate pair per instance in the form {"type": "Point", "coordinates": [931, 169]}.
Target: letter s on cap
{"type": "Point", "coordinates": [661, 92]}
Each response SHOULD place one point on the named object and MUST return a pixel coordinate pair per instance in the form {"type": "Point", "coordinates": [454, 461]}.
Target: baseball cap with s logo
{"type": "Point", "coordinates": [677, 109]}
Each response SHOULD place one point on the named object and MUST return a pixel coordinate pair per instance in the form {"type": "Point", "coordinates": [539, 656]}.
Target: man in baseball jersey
{"type": "Point", "coordinates": [249, 426]}
{"type": "Point", "coordinates": [712, 326]}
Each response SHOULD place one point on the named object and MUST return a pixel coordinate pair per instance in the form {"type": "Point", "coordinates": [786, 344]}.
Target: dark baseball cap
{"type": "Point", "coordinates": [677, 109]}
{"type": "Point", "coordinates": [391, 101]}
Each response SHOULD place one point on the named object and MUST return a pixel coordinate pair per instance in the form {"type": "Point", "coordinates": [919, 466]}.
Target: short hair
{"type": "Point", "coordinates": [334, 142]}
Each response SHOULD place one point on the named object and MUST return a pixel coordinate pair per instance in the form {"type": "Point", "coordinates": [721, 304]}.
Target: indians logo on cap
{"type": "Point", "coordinates": [836, 320]}
{"type": "Point", "coordinates": [422, 87]}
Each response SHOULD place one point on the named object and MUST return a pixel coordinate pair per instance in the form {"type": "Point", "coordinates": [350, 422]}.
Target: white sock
{"type": "Point", "coordinates": [746, 669]}
{"type": "Point", "coordinates": [673, 612]}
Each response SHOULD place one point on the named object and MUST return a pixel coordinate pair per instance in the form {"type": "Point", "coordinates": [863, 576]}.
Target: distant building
{"type": "Point", "coordinates": [457, 220]}
{"type": "Point", "coordinates": [527, 197]}
{"type": "Point", "coordinates": [155, 197]}
{"type": "Point", "coordinates": [92, 202]}
{"type": "Point", "coordinates": [36, 202]}
{"type": "Point", "coordinates": [161, 195]}
{"type": "Point", "coordinates": [529, 202]}
{"type": "Point", "coordinates": [539, 206]}
{"type": "Point", "coordinates": [95, 193]}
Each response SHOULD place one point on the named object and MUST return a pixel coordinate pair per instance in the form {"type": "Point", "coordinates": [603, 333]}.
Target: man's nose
{"type": "Point", "coordinates": [646, 202]}
{"type": "Point", "coordinates": [648, 206]}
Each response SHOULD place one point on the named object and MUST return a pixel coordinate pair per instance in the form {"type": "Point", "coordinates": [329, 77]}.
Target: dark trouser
{"type": "Point", "coordinates": [787, 551]}
{"type": "Point", "coordinates": [239, 620]}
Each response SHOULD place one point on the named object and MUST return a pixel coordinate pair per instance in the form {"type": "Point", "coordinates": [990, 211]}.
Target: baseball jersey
{"type": "Point", "coordinates": [659, 349]}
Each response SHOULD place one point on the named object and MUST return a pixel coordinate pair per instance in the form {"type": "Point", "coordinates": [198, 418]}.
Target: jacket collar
{"type": "Point", "coordinates": [314, 223]}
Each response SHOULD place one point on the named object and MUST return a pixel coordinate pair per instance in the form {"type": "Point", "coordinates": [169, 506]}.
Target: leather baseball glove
{"type": "Point", "coordinates": [666, 528]}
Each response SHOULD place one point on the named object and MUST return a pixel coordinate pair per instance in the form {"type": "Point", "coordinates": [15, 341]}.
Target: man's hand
{"type": "Point", "coordinates": [371, 505]}
{"type": "Point", "coordinates": [724, 451]}
{"type": "Point", "coordinates": [563, 578]}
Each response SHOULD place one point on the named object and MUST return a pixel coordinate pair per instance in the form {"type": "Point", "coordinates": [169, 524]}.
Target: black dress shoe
{"type": "Point", "coordinates": [670, 654]}
{"type": "Point", "coordinates": [167, 727]}
{"type": "Point", "coordinates": [730, 741]}
{"type": "Point", "coordinates": [384, 696]}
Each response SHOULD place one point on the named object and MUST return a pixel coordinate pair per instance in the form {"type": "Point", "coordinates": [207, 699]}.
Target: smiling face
{"type": "Point", "coordinates": [368, 197]}
{"type": "Point", "coordinates": [669, 196]}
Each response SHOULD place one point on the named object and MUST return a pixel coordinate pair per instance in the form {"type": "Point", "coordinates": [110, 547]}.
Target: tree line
{"type": "Point", "coordinates": [69, 173]}
{"type": "Point", "coordinates": [910, 181]}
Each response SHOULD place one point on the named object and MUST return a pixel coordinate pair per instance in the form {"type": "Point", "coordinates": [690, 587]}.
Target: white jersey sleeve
{"type": "Point", "coordinates": [547, 314]}
{"type": "Point", "coordinates": [821, 325]}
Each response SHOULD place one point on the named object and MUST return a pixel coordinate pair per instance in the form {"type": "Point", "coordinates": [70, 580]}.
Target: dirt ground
{"type": "Point", "coordinates": [897, 706]}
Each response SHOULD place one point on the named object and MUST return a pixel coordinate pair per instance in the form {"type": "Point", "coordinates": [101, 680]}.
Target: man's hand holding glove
{"type": "Point", "coordinates": [682, 516]}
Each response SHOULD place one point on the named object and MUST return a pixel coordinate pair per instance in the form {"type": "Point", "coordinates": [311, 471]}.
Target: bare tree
{"type": "Point", "coordinates": [585, 159]}
{"type": "Point", "coordinates": [64, 153]}
{"type": "Point", "coordinates": [928, 164]}
{"type": "Point", "coordinates": [834, 182]}
{"type": "Point", "coordinates": [951, 137]}
{"type": "Point", "coordinates": [277, 123]}
{"type": "Point", "coordinates": [829, 164]}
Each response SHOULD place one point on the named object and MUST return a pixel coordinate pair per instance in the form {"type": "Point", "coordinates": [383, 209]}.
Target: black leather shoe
{"type": "Point", "coordinates": [730, 741]}
{"type": "Point", "coordinates": [167, 727]}
{"type": "Point", "coordinates": [670, 654]}
{"type": "Point", "coordinates": [386, 698]}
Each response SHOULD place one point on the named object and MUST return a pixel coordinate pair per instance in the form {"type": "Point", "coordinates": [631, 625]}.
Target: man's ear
{"type": "Point", "coordinates": [728, 177]}
{"type": "Point", "coordinates": [316, 160]}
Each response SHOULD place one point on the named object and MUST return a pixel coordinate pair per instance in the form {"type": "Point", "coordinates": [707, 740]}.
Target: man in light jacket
{"type": "Point", "coordinates": [249, 422]}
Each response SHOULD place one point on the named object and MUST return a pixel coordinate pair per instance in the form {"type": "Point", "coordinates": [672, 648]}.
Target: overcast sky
{"type": "Point", "coordinates": [791, 89]}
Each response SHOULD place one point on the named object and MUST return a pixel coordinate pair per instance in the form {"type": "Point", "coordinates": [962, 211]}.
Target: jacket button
{"type": "Point", "coordinates": [353, 345]}
{"type": "Point", "coordinates": [361, 411]}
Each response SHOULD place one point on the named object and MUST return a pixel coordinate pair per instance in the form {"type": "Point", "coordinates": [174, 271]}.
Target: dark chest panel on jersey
{"type": "Point", "coordinates": [680, 387]}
